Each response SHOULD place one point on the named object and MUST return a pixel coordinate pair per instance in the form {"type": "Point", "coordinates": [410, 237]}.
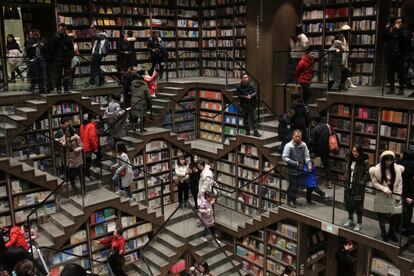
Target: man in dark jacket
{"type": "Point", "coordinates": [300, 119]}
{"type": "Point", "coordinates": [397, 48]}
{"type": "Point", "coordinates": [319, 146]}
{"type": "Point", "coordinates": [128, 77]}
{"type": "Point", "coordinates": [140, 102]}
{"type": "Point", "coordinates": [63, 49]}
{"type": "Point", "coordinates": [284, 129]}
{"type": "Point", "coordinates": [100, 49]}
{"type": "Point", "coordinates": [247, 93]}
{"type": "Point", "coordinates": [345, 259]}
{"type": "Point", "coordinates": [36, 52]}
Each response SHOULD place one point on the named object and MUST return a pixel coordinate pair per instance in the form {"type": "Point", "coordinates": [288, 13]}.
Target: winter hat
{"type": "Point", "coordinates": [387, 152]}
{"type": "Point", "coordinates": [345, 27]}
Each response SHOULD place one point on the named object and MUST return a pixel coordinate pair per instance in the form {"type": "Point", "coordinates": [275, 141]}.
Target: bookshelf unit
{"type": "Point", "coordinates": [6, 216]}
{"type": "Point", "coordinates": [321, 18]}
{"type": "Point", "coordinates": [180, 117]}
{"type": "Point", "coordinates": [158, 159]}
{"type": "Point", "coordinates": [211, 115]}
{"type": "Point", "coordinates": [100, 225]}
{"type": "Point", "coordinates": [251, 250]}
{"type": "Point", "coordinates": [377, 127]}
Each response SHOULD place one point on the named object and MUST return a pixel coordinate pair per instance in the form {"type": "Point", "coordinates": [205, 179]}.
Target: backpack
{"type": "Point", "coordinates": [106, 47]}
{"type": "Point", "coordinates": [332, 140]}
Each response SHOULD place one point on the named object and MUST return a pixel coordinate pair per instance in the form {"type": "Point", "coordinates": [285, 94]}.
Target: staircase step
{"type": "Point", "coordinates": [142, 268]}
{"type": "Point", "coordinates": [6, 126]}
{"type": "Point", "coordinates": [156, 260]}
{"type": "Point", "coordinates": [35, 102]}
{"type": "Point", "coordinates": [62, 221]}
{"type": "Point", "coordinates": [162, 250]}
{"type": "Point", "coordinates": [210, 249]}
{"type": "Point", "coordinates": [218, 259]}
{"type": "Point", "coordinates": [273, 145]}
{"type": "Point", "coordinates": [164, 94]}
{"type": "Point", "coordinates": [52, 230]}
{"type": "Point", "coordinates": [226, 268]}
{"type": "Point", "coordinates": [170, 241]}
{"type": "Point", "coordinates": [173, 88]}
{"type": "Point", "coordinates": [71, 210]}
{"type": "Point", "coordinates": [277, 155]}
{"type": "Point", "coordinates": [43, 240]}
{"type": "Point", "coordinates": [161, 100]}
{"type": "Point", "coordinates": [273, 124]}
{"type": "Point", "coordinates": [16, 118]}
{"type": "Point", "coordinates": [131, 139]}
{"type": "Point", "coordinates": [26, 109]}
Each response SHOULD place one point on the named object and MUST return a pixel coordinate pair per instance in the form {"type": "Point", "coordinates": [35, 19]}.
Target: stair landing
{"type": "Point", "coordinates": [96, 197]}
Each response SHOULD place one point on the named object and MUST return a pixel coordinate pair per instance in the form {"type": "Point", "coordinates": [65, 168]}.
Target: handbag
{"type": "Point", "coordinates": [310, 181]}
{"type": "Point", "coordinates": [332, 140]}
{"type": "Point", "coordinates": [123, 172]}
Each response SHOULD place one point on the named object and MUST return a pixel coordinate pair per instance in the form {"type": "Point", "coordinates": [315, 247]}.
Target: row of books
{"type": "Point", "coordinates": [102, 216]}
{"type": "Point", "coordinates": [249, 255]}
{"type": "Point", "coordinates": [362, 39]}
{"type": "Point", "coordinates": [394, 116]}
{"type": "Point", "coordinates": [368, 128]}
{"type": "Point", "coordinates": [156, 156]}
{"type": "Point", "coordinates": [393, 131]}
{"type": "Point", "coordinates": [65, 108]}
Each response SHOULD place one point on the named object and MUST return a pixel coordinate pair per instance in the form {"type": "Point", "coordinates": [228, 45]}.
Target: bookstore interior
{"type": "Point", "coordinates": [207, 137]}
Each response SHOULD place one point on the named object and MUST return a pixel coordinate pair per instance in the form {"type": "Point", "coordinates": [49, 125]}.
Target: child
{"type": "Point", "coordinates": [207, 214]}
{"type": "Point", "coordinates": [151, 82]}
{"type": "Point", "coordinates": [183, 175]}
{"type": "Point", "coordinates": [312, 185]}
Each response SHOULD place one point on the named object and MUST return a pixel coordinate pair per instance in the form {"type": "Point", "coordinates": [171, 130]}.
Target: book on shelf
{"type": "Point", "coordinates": [102, 215]}
{"type": "Point", "coordinates": [394, 116]}
{"type": "Point", "coordinates": [78, 237]}
{"type": "Point", "coordinates": [384, 268]}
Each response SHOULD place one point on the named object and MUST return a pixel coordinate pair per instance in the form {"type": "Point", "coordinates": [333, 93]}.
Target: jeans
{"type": "Point", "coordinates": [127, 190]}
{"type": "Point", "coordinates": [95, 70]}
{"type": "Point", "coordinates": [295, 181]}
{"type": "Point", "coordinates": [205, 231]}
{"type": "Point", "coordinates": [182, 192]}
{"type": "Point", "coordinates": [249, 116]}
{"type": "Point", "coordinates": [63, 72]}
{"type": "Point", "coordinates": [336, 73]}
{"type": "Point", "coordinates": [359, 215]}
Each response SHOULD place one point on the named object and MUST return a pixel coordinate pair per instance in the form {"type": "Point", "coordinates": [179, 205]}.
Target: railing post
{"type": "Point", "coordinates": [162, 197]}
{"type": "Point", "coordinates": [225, 68]}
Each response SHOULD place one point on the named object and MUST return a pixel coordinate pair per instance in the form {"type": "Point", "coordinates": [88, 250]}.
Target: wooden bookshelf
{"type": "Point", "coordinates": [322, 18]}
{"type": "Point", "coordinates": [251, 250]}
{"type": "Point", "coordinates": [377, 128]}
{"type": "Point", "coordinates": [211, 115]}
{"type": "Point", "coordinates": [158, 159]}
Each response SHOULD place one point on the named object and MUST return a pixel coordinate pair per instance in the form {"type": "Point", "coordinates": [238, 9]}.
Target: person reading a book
{"type": "Point", "coordinates": [116, 258]}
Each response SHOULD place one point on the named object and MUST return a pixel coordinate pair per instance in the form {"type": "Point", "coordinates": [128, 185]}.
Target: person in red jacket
{"type": "Point", "coordinates": [151, 82]}
{"type": "Point", "coordinates": [90, 142]}
{"type": "Point", "coordinates": [304, 74]}
{"type": "Point", "coordinates": [116, 259]}
{"type": "Point", "coordinates": [17, 238]}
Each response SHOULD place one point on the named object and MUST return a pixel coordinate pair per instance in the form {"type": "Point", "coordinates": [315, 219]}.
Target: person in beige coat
{"type": "Point", "coordinates": [386, 178]}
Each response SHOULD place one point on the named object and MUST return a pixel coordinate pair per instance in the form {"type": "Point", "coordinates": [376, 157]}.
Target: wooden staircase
{"type": "Point", "coordinates": [182, 234]}
{"type": "Point", "coordinates": [29, 173]}
{"type": "Point", "coordinates": [31, 110]}
{"type": "Point", "coordinates": [71, 214]}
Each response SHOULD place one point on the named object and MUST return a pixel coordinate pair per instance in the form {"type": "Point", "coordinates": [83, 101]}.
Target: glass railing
{"type": "Point", "coordinates": [54, 261]}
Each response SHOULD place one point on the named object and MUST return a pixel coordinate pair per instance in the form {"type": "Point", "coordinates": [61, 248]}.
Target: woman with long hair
{"type": "Point", "coordinates": [407, 160]}
{"type": "Point", "coordinates": [194, 178]}
{"type": "Point", "coordinates": [386, 178]}
{"type": "Point", "coordinates": [13, 56]}
{"type": "Point", "coordinates": [123, 169]}
{"type": "Point", "coordinates": [183, 176]}
{"type": "Point", "coordinates": [356, 178]}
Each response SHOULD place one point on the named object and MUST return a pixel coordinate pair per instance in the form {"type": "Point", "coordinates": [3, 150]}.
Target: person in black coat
{"type": "Point", "coordinates": [63, 49]}
{"type": "Point", "coordinates": [158, 53]}
{"type": "Point", "coordinates": [345, 259]}
{"type": "Point", "coordinates": [194, 178]}
{"type": "Point", "coordinates": [37, 54]}
{"type": "Point", "coordinates": [247, 94]}
{"type": "Point", "coordinates": [11, 44]}
{"type": "Point", "coordinates": [319, 146]}
{"type": "Point", "coordinates": [397, 48]}
{"type": "Point", "coordinates": [284, 129]}
{"type": "Point", "coordinates": [126, 52]}
{"type": "Point", "coordinates": [407, 161]}
{"type": "Point", "coordinates": [127, 78]}
{"type": "Point", "coordinates": [300, 120]}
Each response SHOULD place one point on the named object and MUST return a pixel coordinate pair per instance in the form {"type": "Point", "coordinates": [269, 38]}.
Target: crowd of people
{"type": "Point", "coordinates": [398, 53]}
{"type": "Point", "coordinates": [392, 178]}
{"type": "Point", "coordinates": [52, 63]}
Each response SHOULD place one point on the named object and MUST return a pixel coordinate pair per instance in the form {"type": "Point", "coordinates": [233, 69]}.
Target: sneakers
{"type": "Point", "coordinates": [358, 227]}
{"type": "Point", "coordinates": [204, 239]}
{"type": "Point", "coordinates": [349, 223]}
{"type": "Point", "coordinates": [220, 242]}
{"type": "Point", "coordinates": [292, 204]}
{"type": "Point", "coordinates": [119, 192]}
{"type": "Point", "coordinates": [257, 134]}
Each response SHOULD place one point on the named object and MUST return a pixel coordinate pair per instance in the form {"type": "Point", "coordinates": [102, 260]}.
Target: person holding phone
{"type": "Point", "coordinates": [296, 155]}
{"type": "Point", "coordinates": [345, 259]}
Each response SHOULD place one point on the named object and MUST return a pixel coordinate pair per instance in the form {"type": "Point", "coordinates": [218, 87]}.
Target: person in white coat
{"type": "Point", "coordinates": [386, 178]}
{"type": "Point", "coordinates": [123, 168]}
{"type": "Point", "coordinates": [182, 171]}
{"type": "Point", "coordinates": [206, 180]}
